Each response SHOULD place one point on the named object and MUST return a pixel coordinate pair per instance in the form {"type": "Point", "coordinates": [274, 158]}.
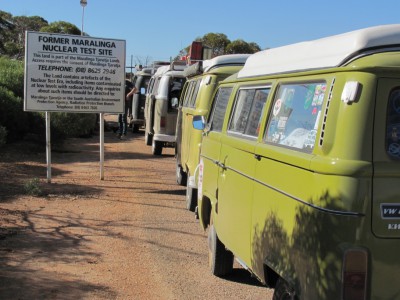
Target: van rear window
{"type": "Point", "coordinates": [294, 117]}
{"type": "Point", "coordinates": [393, 125]}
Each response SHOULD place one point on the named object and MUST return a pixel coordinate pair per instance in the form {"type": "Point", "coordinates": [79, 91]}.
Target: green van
{"type": "Point", "coordinates": [299, 174]}
{"type": "Point", "coordinates": [202, 79]}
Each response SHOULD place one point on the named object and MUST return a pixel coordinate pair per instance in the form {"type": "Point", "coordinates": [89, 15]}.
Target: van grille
{"type": "Point", "coordinates": [321, 137]}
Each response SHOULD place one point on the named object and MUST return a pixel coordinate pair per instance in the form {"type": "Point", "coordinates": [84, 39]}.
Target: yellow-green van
{"type": "Point", "coordinates": [161, 106]}
{"type": "Point", "coordinates": [299, 175]}
{"type": "Point", "coordinates": [202, 79]}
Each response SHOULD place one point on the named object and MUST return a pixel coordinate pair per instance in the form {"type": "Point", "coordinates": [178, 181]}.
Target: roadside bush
{"type": "Point", "coordinates": [12, 76]}
{"type": "Point", "coordinates": [12, 116]}
{"type": "Point", "coordinates": [32, 187]}
{"type": "Point", "coordinates": [73, 124]}
{"type": "Point", "coordinates": [3, 135]}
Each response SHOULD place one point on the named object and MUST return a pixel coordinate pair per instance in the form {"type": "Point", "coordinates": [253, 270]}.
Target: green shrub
{"type": "Point", "coordinates": [3, 135]}
{"type": "Point", "coordinates": [73, 124]}
{"type": "Point", "coordinates": [32, 187]}
{"type": "Point", "coordinates": [12, 76]}
{"type": "Point", "coordinates": [12, 116]}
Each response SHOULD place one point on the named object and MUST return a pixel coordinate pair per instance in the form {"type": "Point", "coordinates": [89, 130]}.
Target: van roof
{"type": "Point", "coordinates": [333, 51]}
{"type": "Point", "coordinates": [204, 66]}
{"type": "Point", "coordinates": [229, 59]}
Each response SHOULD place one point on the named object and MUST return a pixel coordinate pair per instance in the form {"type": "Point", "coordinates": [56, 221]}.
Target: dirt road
{"type": "Point", "coordinates": [128, 236]}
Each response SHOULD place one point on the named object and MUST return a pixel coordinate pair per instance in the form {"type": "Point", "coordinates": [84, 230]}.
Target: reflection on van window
{"type": "Point", "coordinates": [393, 125]}
{"type": "Point", "coordinates": [295, 115]}
{"type": "Point", "coordinates": [218, 112]}
{"type": "Point", "coordinates": [249, 105]}
{"type": "Point", "coordinates": [175, 89]}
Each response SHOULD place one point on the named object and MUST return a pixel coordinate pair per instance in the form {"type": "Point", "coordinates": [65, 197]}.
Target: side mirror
{"type": "Point", "coordinates": [175, 102]}
{"type": "Point", "coordinates": [199, 122]}
{"type": "Point", "coordinates": [152, 97]}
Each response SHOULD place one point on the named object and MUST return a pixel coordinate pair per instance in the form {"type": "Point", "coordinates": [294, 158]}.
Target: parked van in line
{"type": "Point", "coordinates": [202, 78]}
{"type": "Point", "coordinates": [161, 107]}
{"type": "Point", "coordinates": [299, 175]}
{"type": "Point", "coordinates": [140, 81]}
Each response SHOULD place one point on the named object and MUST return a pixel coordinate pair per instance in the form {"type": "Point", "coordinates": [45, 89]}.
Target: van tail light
{"type": "Point", "coordinates": [163, 122]}
{"type": "Point", "coordinates": [355, 267]}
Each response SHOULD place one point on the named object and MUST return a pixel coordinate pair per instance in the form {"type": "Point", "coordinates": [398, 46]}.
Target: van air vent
{"type": "Point", "coordinates": [321, 138]}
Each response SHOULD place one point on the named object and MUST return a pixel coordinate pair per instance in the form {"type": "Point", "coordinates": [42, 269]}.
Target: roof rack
{"type": "Point", "coordinates": [218, 61]}
{"type": "Point", "coordinates": [334, 51]}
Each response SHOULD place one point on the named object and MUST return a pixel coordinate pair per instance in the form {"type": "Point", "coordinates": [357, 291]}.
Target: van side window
{"type": "Point", "coordinates": [249, 105]}
{"type": "Point", "coordinates": [220, 103]}
{"type": "Point", "coordinates": [294, 117]}
{"type": "Point", "coordinates": [195, 92]}
{"type": "Point", "coordinates": [175, 88]}
{"type": "Point", "coordinates": [393, 125]}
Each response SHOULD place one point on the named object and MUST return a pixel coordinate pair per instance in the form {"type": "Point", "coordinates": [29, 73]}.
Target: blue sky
{"type": "Point", "coordinates": [158, 29]}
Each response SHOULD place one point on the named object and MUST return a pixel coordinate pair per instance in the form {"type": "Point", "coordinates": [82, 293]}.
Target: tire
{"type": "Point", "coordinates": [283, 291]}
{"type": "Point", "coordinates": [220, 260]}
{"type": "Point", "coordinates": [148, 138]}
{"type": "Point", "coordinates": [156, 148]}
{"type": "Point", "coordinates": [135, 128]}
{"type": "Point", "coordinates": [191, 197]}
{"type": "Point", "coordinates": [181, 176]}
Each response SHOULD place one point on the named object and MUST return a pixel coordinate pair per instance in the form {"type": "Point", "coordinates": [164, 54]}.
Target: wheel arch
{"type": "Point", "coordinates": [205, 212]}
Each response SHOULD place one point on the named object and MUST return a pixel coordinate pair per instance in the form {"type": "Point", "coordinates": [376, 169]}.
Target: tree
{"type": "Point", "coordinates": [216, 41]}
{"type": "Point", "coordinates": [61, 27]}
{"type": "Point", "coordinates": [240, 46]}
{"type": "Point", "coordinates": [220, 44]}
{"type": "Point", "coordinates": [12, 33]}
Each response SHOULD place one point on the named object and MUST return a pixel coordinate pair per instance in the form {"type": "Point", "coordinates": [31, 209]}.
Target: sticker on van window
{"type": "Point", "coordinates": [277, 107]}
{"type": "Point", "coordinates": [393, 125]}
{"type": "Point", "coordinates": [295, 115]}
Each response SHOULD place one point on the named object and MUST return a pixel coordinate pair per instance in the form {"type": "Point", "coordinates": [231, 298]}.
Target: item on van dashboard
{"type": "Point", "coordinates": [160, 111]}
{"type": "Point", "coordinates": [299, 168]}
{"type": "Point", "coordinates": [202, 79]}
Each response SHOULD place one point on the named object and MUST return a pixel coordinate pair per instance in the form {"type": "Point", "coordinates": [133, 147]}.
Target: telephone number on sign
{"type": "Point", "coordinates": [91, 107]}
{"type": "Point", "coordinates": [95, 70]}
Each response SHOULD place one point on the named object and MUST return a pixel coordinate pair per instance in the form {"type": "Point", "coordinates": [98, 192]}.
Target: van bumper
{"type": "Point", "coordinates": [164, 138]}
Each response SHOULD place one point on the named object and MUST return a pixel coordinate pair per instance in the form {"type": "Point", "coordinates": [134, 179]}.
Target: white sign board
{"type": "Point", "coordinates": [69, 73]}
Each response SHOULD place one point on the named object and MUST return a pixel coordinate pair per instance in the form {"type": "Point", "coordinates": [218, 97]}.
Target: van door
{"type": "Point", "coordinates": [386, 181]}
{"type": "Point", "coordinates": [187, 117]}
{"type": "Point", "coordinates": [236, 178]}
{"type": "Point", "coordinates": [210, 149]}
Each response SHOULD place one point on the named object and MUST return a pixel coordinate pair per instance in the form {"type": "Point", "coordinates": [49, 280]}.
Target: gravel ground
{"type": "Point", "coordinates": [128, 236]}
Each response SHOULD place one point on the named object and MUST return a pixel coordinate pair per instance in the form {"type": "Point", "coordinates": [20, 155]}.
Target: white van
{"type": "Point", "coordinates": [161, 106]}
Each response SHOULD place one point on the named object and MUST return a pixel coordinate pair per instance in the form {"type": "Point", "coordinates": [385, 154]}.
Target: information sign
{"type": "Point", "coordinates": [69, 73]}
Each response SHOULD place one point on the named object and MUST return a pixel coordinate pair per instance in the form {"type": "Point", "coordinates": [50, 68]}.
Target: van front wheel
{"type": "Point", "coordinates": [156, 147]}
{"type": "Point", "coordinates": [220, 259]}
{"type": "Point", "coordinates": [191, 197]}
{"type": "Point", "coordinates": [181, 175]}
{"type": "Point", "coordinates": [283, 291]}
{"type": "Point", "coordinates": [148, 138]}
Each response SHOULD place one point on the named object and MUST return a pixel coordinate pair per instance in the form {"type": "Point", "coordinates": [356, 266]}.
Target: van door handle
{"type": "Point", "coordinates": [221, 165]}
{"type": "Point", "coordinates": [257, 156]}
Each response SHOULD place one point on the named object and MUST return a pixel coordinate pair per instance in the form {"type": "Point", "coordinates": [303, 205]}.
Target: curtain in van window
{"type": "Point", "coordinates": [249, 105]}
{"type": "Point", "coordinates": [220, 103]}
